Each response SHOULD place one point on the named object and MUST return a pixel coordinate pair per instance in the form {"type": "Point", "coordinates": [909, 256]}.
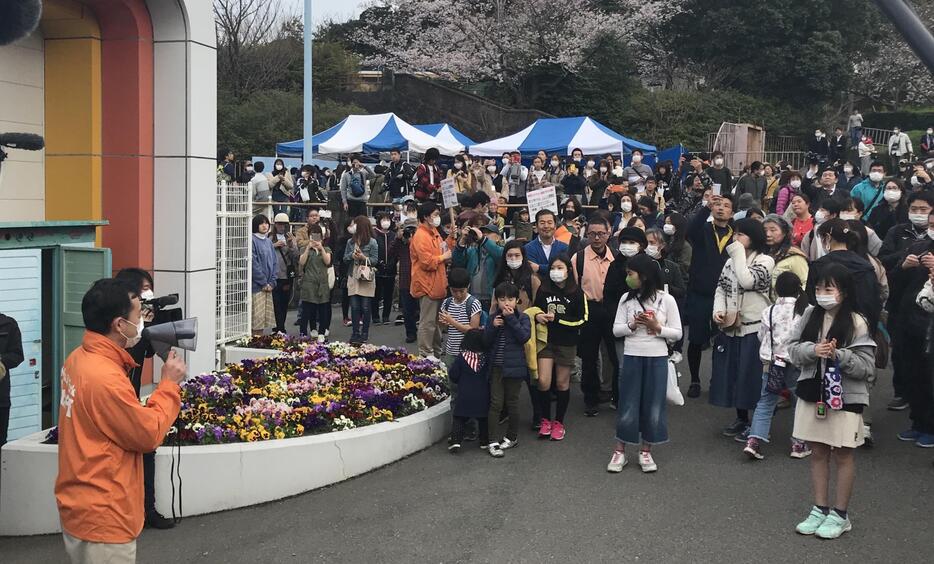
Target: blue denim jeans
{"type": "Point", "coordinates": [765, 409]}
{"type": "Point", "coordinates": [360, 316]}
{"type": "Point", "coordinates": [643, 413]}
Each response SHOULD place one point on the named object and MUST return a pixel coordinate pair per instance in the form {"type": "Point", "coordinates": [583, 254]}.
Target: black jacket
{"type": "Point", "coordinates": [574, 185]}
{"type": "Point", "coordinates": [865, 284]}
{"type": "Point", "coordinates": [386, 267]}
{"type": "Point", "coordinates": [897, 242]}
{"type": "Point", "coordinates": [707, 260]}
{"type": "Point", "coordinates": [11, 353]}
{"type": "Point", "coordinates": [398, 178]}
{"type": "Point", "coordinates": [473, 387]}
{"type": "Point", "coordinates": [904, 286]}
{"type": "Point", "coordinates": [883, 218]}
{"type": "Point", "coordinates": [516, 330]}
{"type": "Point", "coordinates": [838, 148]}
{"type": "Point", "coordinates": [570, 313]}
{"type": "Point", "coordinates": [723, 177]}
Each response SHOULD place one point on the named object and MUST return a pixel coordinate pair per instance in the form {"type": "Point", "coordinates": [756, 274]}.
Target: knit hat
{"type": "Point", "coordinates": [633, 234]}
{"type": "Point", "coordinates": [745, 201]}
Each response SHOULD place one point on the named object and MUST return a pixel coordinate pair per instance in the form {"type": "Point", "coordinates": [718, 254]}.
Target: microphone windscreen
{"type": "Point", "coordinates": [18, 18]}
{"type": "Point", "coordinates": [24, 141]}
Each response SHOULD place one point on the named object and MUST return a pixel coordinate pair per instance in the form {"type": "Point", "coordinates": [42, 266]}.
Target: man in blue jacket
{"type": "Point", "coordinates": [540, 249]}
{"type": "Point", "coordinates": [479, 254]}
{"type": "Point", "coordinates": [870, 190]}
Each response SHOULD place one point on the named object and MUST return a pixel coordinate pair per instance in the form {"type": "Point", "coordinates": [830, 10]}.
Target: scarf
{"type": "Point", "coordinates": [472, 359]}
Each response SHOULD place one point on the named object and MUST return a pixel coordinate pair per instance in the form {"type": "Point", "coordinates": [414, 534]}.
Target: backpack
{"type": "Point", "coordinates": [357, 189]}
{"type": "Point", "coordinates": [484, 315]}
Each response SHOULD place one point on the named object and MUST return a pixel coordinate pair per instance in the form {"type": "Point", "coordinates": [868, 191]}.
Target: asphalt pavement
{"type": "Point", "coordinates": [554, 502]}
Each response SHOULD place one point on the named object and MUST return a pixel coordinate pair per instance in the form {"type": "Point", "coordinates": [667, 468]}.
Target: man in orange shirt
{"type": "Point", "coordinates": [103, 429]}
{"type": "Point", "coordinates": [429, 277]}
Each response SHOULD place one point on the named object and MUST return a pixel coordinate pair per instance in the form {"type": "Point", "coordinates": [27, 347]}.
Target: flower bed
{"type": "Point", "coordinates": [312, 388]}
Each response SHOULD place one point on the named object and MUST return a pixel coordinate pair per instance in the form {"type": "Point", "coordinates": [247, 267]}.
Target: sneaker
{"type": "Point", "coordinates": [909, 436]}
{"type": "Point", "coordinates": [495, 451]}
{"type": "Point", "coordinates": [924, 441]}
{"type": "Point", "coordinates": [454, 447]}
{"type": "Point", "coordinates": [400, 320]}
{"type": "Point", "coordinates": [647, 462]}
{"type": "Point", "coordinates": [813, 522]}
{"type": "Point", "coordinates": [591, 411]}
{"type": "Point", "coordinates": [868, 442]}
{"type": "Point", "coordinates": [313, 334]}
{"type": "Point", "coordinates": [800, 449]}
{"type": "Point", "coordinates": [613, 405]}
{"type": "Point", "coordinates": [833, 526]}
{"type": "Point", "coordinates": [411, 339]}
{"type": "Point", "coordinates": [735, 428]}
{"type": "Point", "coordinates": [617, 461]}
{"type": "Point", "coordinates": [155, 520]}
{"type": "Point", "coordinates": [544, 430]}
{"type": "Point", "coordinates": [752, 449]}
{"type": "Point", "coordinates": [694, 390]}
{"type": "Point", "coordinates": [557, 431]}
{"type": "Point", "coordinates": [347, 323]}
{"type": "Point", "coordinates": [321, 339]}
{"type": "Point", "coordinates": [742, 437]}
{"type": "Point", "coordinates": [385, 321]}
{"type": "Point", "coordinates": [506, 443]}
{"type": "Point", "coordinates": [897, 404]}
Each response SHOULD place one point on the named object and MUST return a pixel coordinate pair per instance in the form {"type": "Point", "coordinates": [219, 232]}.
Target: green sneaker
{"type": "Point", "coordinates": [810, 525]}
{"type": "Point", "coordinates": [833, 526]}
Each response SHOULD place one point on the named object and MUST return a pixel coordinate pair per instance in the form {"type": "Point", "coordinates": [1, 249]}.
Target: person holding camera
{"type": "Point", "coordinates": [286, 258]}
{"type": "Point", "coordinates": [314, 263]}
{"type": "Point", "coordinates": [103, 429]}
{"type": "Point", "coordinates": [361, 255]}
{"type": "Point", "coordinates": [398, 176]}
{"type": "Point", "coordinates": [399, 254]}
{"type": "Point", "coordinates": [479, 254]}
{"type": "Point", "coordinates": [280, 184]}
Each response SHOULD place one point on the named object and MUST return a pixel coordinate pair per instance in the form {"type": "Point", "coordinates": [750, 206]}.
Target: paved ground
{"type": "Point", "coordinates": [555, 502]}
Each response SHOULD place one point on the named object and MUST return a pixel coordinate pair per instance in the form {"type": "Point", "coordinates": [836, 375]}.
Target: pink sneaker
{"type": "Point", "coordinates": [557, 431]}
{"type": "Point", "coordinates": [545, 430]}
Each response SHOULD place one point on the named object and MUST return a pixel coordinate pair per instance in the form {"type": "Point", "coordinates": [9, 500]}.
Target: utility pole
{"type": "Point", "coordinates": [308, 99]}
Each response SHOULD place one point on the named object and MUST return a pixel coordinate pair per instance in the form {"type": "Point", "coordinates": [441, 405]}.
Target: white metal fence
{"type": "Point", "coordinates": [234, 224]}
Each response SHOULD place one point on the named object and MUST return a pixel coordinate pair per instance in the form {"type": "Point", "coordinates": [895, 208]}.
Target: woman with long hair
{"type": "Point", "coordinates": [741, 295]}
{"type": "Point", "coordinates": [361, 255]}
{"type": "Point", "coordinates": [462, 175]}
{"type": "Point", "coordinates": [315, 293]}
{"type": "Point", "coordinates": [788, 258]}
{"type": "Point", "coordinates": [564, 312]}
{"type": "Point", "coordinates": [281, 184]}
{"type": "Point", "coordinates": [649, 319]}
{"type": "Point", "coordinates": [894, 211]}
{"type": "Point", "coordinates": [835, 353]}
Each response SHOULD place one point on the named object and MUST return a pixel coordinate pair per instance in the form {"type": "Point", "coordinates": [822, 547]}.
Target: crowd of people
{"type": "Point", "coordinates": [802, 283]}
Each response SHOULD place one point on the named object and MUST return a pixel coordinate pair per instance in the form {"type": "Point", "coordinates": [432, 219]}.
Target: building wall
{"type": "Point", "coordinates": [22, 83]}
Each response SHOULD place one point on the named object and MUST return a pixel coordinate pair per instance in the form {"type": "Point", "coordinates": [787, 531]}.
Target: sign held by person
{"type": "Point", "coordinates": [542, 199]}
{"type": "Point", "coordinates": [449, 193]}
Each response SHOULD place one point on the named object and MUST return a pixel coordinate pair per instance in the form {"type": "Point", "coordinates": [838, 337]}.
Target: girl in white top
{"type": "Point", "coordinates": [649, 319]}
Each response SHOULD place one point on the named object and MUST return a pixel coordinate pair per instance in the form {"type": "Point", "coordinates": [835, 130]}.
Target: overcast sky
{"type": "Point", "coordinates": [340, 10]}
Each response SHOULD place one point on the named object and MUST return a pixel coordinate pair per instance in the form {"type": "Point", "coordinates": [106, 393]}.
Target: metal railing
{"type": "Point", "coordinates": [234, 248]}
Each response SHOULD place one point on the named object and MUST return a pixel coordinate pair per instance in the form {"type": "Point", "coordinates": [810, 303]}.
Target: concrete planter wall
{"type": "Point", "coordinates": [233, 355]}
{"type": "Point", "coordinates": [220, 477]}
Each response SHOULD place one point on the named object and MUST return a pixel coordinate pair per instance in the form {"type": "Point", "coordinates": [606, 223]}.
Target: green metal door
{"type": "Point", "coordinates": [78, 268]}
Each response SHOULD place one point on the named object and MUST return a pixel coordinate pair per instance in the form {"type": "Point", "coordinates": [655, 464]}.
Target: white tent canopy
{"type": "Point", "coordinates": [561, 136]}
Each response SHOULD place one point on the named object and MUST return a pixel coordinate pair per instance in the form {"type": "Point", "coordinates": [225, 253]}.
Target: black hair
{"type": "Point", "coordinates": [832, 206]}
{"type": "Point", "coordinates": [259, 166]}
{"type": "Point", "coordinates": [649, 203]}
{"type": "Point", "coordinates": [517, 276]}
{"type": "Point", "coordinates": [135, 277]}
{"type": "Point", "coordinates": [924, 196]}
{"type": "Point", "coordinates": [831, 169]}
{"type": "Point", "coordinates": [788, 285]}
{"type": "Point", "coordinates": [679, 239]}
{"type": "Point", "coordinates": [542, 213]}
{"type": "Point", "coordinates": [426, 209]}
{"type": "Point", "coordinates": [650, 274]}
{"type": "Point", "coordinates": [473, 341]}
{"type": "Point", "coordinates": [599, 219]}
{"type": "Point", "coordinates": [259, 220]}
{"type": "Point", "coordinates": [570, 284]}
{"type": "Point", "coordinates": [432, 154]}
{"type": "Point", "coordinates": [839, 230]}
{"type": "Point", "coordinates": [833, 274]}
{"type": "Point", "coordinates": [108, 299]}
{"type": "Point", "coordinates": [458, 278]}
{"type": "Point", "coordinates": [481, 198]}
{"type": "Point", "coordinates": [634, 151]}
{"type": "Point", "coordinates": [506, 290]}
{"type": "Point", "coordinates": [222, 154]}
{"type": "Point", "coordinates": [877, 163]}
{"type": "Point", "coordinates": [803, 196]}
{"type": "Point", "coordinates": [861, 241]}
{"type": "Point", "coordinates": [635, 218]}
{"type": "Point", "coordinates": [307, 168]}
{"type": "Point", "coordinates": [756, 165]}
{"type": "Point", "coordinates": [753, 229]}
{"type": "Point", "coordinates": [858, 205]}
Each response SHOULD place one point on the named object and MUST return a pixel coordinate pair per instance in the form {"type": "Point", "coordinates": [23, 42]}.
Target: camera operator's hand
{"type": "Point", "coordinates": [174, 369]}
{"type": "Point", "coordinates": [148, 315]}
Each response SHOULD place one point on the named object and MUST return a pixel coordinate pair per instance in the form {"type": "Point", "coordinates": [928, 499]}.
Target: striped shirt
{"type": "Point", "coordinates": [458, 311]}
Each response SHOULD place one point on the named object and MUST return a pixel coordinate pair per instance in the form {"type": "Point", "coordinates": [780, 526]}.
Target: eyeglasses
{"type": "Point", "coordinates": [597, 234]}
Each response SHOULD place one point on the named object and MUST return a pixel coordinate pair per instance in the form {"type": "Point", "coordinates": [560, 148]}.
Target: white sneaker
{"type": "Point", "coordinates": [507, 444]}
{"type": "Point", "coordinates": [313, 335]}
{"type": "Point", "coordinates": [495, 451]}
{"type": "Point", "coordinates": [646, 462]}
{"type": "Point", "coordinates": [321, 339]}
{"type": "Point", "coordinates": [617, 461]}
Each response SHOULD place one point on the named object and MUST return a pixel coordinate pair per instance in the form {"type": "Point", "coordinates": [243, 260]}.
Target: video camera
{"type": "Point", "coordinates": [159, 305]}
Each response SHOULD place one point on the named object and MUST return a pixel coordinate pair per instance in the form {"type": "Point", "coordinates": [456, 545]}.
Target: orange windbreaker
{"type": "Point", "coordinates": [102, 432]}
{"type": "Point", "coordinates": [429, 276]}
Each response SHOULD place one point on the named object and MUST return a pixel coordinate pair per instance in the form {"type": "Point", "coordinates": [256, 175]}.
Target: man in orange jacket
{"type": "Point", "coordinates": [429, 278]}
{"type": "Point", "coordinates": [103, 430]}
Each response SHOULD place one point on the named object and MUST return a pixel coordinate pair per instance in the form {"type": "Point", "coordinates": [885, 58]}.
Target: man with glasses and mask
{"type": "Point", "coordinates": [103, 429]}
{"type": "Point", "coordinates": [591, 265]}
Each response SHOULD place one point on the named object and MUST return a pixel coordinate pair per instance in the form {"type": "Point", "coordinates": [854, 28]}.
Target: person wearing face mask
{"type": "Point", "coordinates": [631, 242]}
{"type": "Point", "coordinates": [811, 243]}
{"type": "Point", "coordinates": [637, 172]}
{"type": "Point", "coordinates": [752, 183]}
{"type": "Point", "coordinates": [264, 267]}
{"type": "Point", "coordinates": [903, 235]}
{"type": "Point", "coordinates": [719, 174]}
{"type": "Point", "coordinates": [921, 177]}
{"type": "Point", "coordinates": [462, 175]}
{"type": "Point", "coordinates": [573, 184]}
{"type": "Point", "coordinates": [837, 145]}
{"type": "Point", "coordinates": [678, 248]}
{"type": "Point", "coordinates": [790, 182]}
{"type": "Point", "coordinates": [246, 173]}
{"type": "Point", "coordinates": [429, 255]}
{"type": "Point", "coordinates": [742, 293]}
{"type": "Point", "coordinates": [672, 278]}
{"type": "Point", "coordinates": [831, 344]}
{"type": "Point", "coordinates": [899, 147]}
{"type": "Point", "coordinates": [819, 147]}
{"type": "Point", "coordinates": [259, 188]}
{"type": "Point", "coordinates": [866, 151]}
{"type": "Point", "coordinates": [598, 184]}
{"type": "Point", "coordinates": [927, 143]}
{"type": "Point", "coordinates": [590, 169]}
{"type": "Point", "coordinates": [871, 190]}
{"type": "Point", "coordinates": [385, 235]}
{"type": "Point", "coordinates": [281, 184]}
{"type": "Point", "coordinates": [850, 176]}
{"type": "Point", "coordinates": [893, 211]}
{"type": "Point", "coordinates": [103, 429]}
{"type": "Point", "coordinates": [556, 172]}
{"type": "Point", "coordinates": [572, 221]}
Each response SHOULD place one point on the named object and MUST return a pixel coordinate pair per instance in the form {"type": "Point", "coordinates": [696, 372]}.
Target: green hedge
{"type": "Point", "coordinates": [907, 120]}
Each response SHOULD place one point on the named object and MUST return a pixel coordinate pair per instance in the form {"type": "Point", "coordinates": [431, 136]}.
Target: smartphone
{"type": "Point", "coordinates": [316, 237]}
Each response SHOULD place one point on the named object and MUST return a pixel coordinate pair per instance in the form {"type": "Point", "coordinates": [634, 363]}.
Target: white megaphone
{"type": "Point", "coordinates": [182, 334]}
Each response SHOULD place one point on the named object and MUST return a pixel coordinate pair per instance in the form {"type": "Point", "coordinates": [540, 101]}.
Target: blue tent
{"type": "Point", "coordinates": [672, 154]}
{"type": "Point", "coordinates": [446, 133]}
{"type": "Point", "coordinates": [561, 136]}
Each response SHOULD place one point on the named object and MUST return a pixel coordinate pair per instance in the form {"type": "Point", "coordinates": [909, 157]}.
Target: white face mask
{"type": "Point", "coordinates": [895, 132]}
{"type": "Point", "coordinates": [636, 159]}
{"type": "Point", "coordinates": [930, 234]}
{"type": "Point", "coordinates": [146, 295]}
{"type": "Point", "coordinates": [918, 219]}
{"type": "Point", "coordinates": [930, 132]}
{"type": "Point", "coordinates": [384, 224]}
{"type": "Point", "coordinates": [629, 249]}
{"type": "Point", "coordinates": [849, 215]}
{"type": "Point", "coordinates": [827, 301]}
{"type": "Point", "coordinates": [795, 184]}
{"type": "Point", "coordinates": [848, 169]}
{"type": "Point", "coordinates": [626, 206]}
{"type": "Point", "coordinates": [915, 182]}
{"type": "Point", "coordinates": [249, 169]}
{"type": "Point", "coordinates": [133, 341]}
{"type": "Point", "coordinates": [876, 176]}
{"type": "Point", "coordinates": [892, 196]}
{"type": "Point", "coordinates": [669, 229]}
{"type": "Point", "coordinates": [558, 275]}
{"type": "Point", "coordinates": [718, 162]}
{"type": "Point", "coordinates": [603, 170]}
{"type": "Point", "coordinates": [652, 251]}
{"type": "Point", "coordinates": [514, 264]}
{"type": "Point", "coordinates": [591, 164]}
{"type": "Point", "coordinates": [555, 163]}
{"type": "Point", "coordinates": [820, 217]}
{"type": "Point", "coordinates": [458, 165]}
{"type": "Point", "coordinates": [505, 161]}
{"type": "Point", "coordinates": [491, 169]}
{"type": "Point", "coordinates": [436, 221]}
{"type": "Point", "coordinates": [278, 167]}
{"type": "Point", "coordinates": [352, 229]}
